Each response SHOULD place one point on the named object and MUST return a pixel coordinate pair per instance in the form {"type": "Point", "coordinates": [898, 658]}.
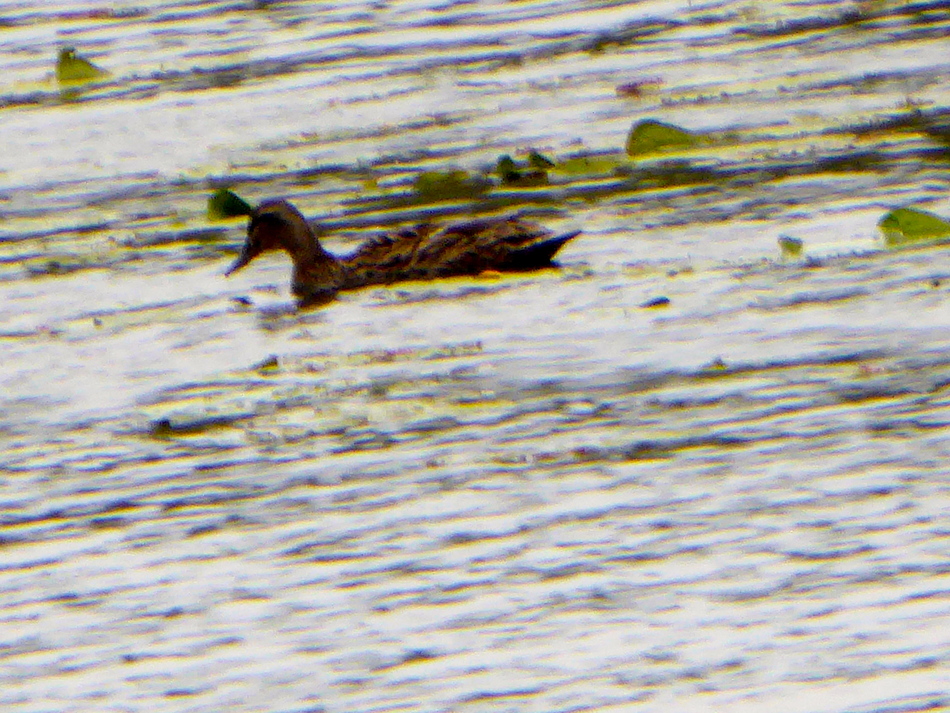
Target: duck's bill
{"type": "Point", "coordinates": [243, 259]}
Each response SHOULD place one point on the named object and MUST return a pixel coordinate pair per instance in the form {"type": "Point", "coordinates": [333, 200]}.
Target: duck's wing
{"type": "Point", "coordinates": [470, 248]}
{"type": "Point", "coordinates": [386, 257]}
{"type": "Point", "coordinates": [426, 252]}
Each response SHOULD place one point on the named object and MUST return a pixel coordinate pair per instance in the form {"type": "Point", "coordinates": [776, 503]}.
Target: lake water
{"type": "Point", "coordinates": [520, 493]}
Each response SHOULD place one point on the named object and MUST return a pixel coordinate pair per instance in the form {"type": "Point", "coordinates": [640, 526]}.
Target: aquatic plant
{"type": "Point", "coordinates": [73, 69]}
{"type": "Point", "coordinates": [902, 226]}
{"type": "Point", "coordinates": [224, 204]}
{"type": "Point", "coordinates": [535, 173]}
{"type": "Point", "coordinates": [791, 247]}
{"type": "Point", "coordinates": [592, 164]}
{"type": "Point", "coordinates": [448, 185]}
{"type": "Point", "coordinates": [650, 136]}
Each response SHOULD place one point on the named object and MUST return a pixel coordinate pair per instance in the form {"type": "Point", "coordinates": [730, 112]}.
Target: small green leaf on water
{"type": "Point", "coordinates": [909, 225]}
{"type": "Point", "coordinates": [162, 428]}
{"type": "Point", "coordinates": [791, 247]}
{"type": "Point", "coordinates": [649, 136]}
{"type": "Point", "coordinates": [539, 161]}
{"type": "Point", "coordinates": [591, 165]}
{"type": "Point", "coordinates": [448, 185]}
{"type": "Point", "coordinates": [512, 175]}
{"type": "Point", "coordinates": [223, 204]}
{"type": "Point", "coordinates": [73, 69]}
{"type": "Point", "coordinates": [506, 168]}
{"type": "Point", "coordinates": [269, 365]}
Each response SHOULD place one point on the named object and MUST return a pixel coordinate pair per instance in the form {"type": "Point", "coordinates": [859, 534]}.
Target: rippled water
{"type": "Point", "coordinates": [527, 493]}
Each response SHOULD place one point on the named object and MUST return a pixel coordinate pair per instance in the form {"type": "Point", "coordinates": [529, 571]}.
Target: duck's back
{"type": "Point", "coordinates": [427, 252]}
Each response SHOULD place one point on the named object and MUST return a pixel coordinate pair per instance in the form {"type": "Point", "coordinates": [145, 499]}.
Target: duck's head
{"type": "Point", "coordinates": [274, 225]}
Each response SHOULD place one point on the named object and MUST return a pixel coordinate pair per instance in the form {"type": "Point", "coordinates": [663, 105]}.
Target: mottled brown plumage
{"type": "Point", "coordinates": [425, 252]}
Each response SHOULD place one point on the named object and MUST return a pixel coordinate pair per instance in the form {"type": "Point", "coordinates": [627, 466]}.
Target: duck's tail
{"type": "Point", "coordinates": [538, 255]}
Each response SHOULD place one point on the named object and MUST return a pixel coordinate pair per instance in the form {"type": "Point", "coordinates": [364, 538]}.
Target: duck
{"type": "Point", "coordinates": [423, 252]}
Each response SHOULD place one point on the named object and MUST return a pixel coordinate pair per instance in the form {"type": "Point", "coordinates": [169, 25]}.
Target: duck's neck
{"type": "Point", "coordinates": [317, 273]}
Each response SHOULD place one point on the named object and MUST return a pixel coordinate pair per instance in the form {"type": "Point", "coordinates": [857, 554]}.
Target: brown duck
{"type": "Point", "coordinates": [425, 252]}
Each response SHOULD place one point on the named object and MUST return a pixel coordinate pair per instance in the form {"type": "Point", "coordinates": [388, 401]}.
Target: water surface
{"type": "Point", "coordinates": [528, 493]}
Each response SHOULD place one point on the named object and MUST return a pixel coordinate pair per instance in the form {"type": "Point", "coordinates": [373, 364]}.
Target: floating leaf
{"type": "Point", "coordinates": [909, 225]}
{"type": "Point", "coordinates": [73, 69]}
{"type": "Point", "coordinates": [717, 364]}
{"type": "Point", "coordinates": [510, 173]}
{"type": "Point", "coordinates": [540, 162]}
{"type": "Point", "coordinates": [506, 168]}
{"type": "Point", "coordinates": [448, 185]}
{"type": "Point", "coordinates": [791, 247]}
{"type": "Point", "coordinates": [649, 136]}
{"type": "Point", "coordinates": [224, 204]}
{"type": "Point", "coordinates": [269, 365]}
{"type": "Point", "coordinates": [591, 165]}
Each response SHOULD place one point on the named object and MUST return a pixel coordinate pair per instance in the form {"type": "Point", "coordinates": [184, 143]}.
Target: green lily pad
{"type": "Point", "coordinates": [910, 225]}
{"type": "Point", "coordinates": [223, 204]}
{"type": "Point", "coordinates": [448, 185]}
{"type": "Point", "coordinates": [73, 69]}
{"type": "Point", "coordinates": [651, 136]}
{"type": "Point", "coordinates": [791, 247]}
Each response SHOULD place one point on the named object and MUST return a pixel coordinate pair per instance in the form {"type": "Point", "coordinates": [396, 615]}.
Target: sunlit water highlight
{"type": "Point", "coordinates": [525, 493]}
